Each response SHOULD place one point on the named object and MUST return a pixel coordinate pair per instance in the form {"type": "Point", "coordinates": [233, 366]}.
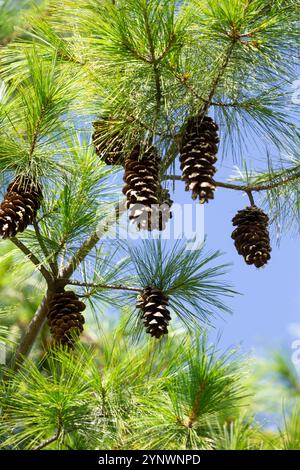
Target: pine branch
{"type": "Point", "coordinates": [52, 439]}
{"type": "Point", "coordinates": [38, 320]}
{"type": "Point", "coordinates": [104, 286]}
{"type": "Point", "coordinates": [195, 409]}
{"type": "Point", "coordinates": [153, 61]}
{"type": "Point", "coordinates": [223, 66]}
{"type": "Point", "coordinates": [33, 258]}
{"type": "Point", "coordinates": [31, 332]}
{"type": "Point", "coordinates": [246, 188]}
{"type": "Point", "coordinates": [37, 129]}
{"type": "Point", "coordinates": [88, 245]}
{"type": "Point", "coordinates": [172, 40]}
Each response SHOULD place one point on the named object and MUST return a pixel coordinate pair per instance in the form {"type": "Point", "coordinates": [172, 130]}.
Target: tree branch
{"type": "Point", "coordinates": [33, 258]}
{"type": "Point", "coordinates": [31, 332]}
{"type": "Point", "coordinates": [89, 244]}
{"type": "Point", "coordinates": [38, 320]}
{"type": "Point", "coordinates": [195, 409]}
{"type": "Point", "coordinates": [246, 188]}
{"type": "Point", "coordinates": [154, 61]}
{"type": "Point", "coordinates": [220, 74]}
{"type": "Point", "coordinates": [52, 439]}
{"type": "Point", "coordinates": [104, 286]}
{"type": "Point", "coordinates": [171, 41]}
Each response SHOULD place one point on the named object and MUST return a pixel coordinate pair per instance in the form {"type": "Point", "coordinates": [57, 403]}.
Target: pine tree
{"type": "Point", "coordinates": [97, 94]}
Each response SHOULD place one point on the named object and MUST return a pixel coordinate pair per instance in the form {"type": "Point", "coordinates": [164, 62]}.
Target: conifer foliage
{"type": "Point", "coordinates": [169, 86]}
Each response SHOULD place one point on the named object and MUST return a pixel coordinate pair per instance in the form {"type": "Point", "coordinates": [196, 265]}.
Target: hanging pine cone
{"type": "Point", "coordinates": [154, 311]}
{"type": "Point", "coordinates": [65, 318]}
{"type": "Point", "coordinates": [142, 184]}
{"type": "Point", "coordinates": [19, 207]}
{"type": "Point", "coordinates": [251, 236]}
{"type": "Point", "coordinates": [198, 156]}
{"type": "Point", "coordinates": [109, 147]}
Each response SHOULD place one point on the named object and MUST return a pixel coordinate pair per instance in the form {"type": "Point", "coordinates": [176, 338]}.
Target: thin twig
{"type": "Point", "coordinates": [219, 76]}
{"type": "Point", "coordinates": [246, 188]}
{"type": "Point", "coordinates": [251, 198]}
{"type": "Point", "coordinates": [89, 244]}
{"type": "Point", "coordinates": [195, 409]}
{"type": "Point", "coordinates": [52, 439]}
{"type": "Point", "coordinates": [104, 286]}
{"type": "Point", "coordinates": [37, 130]}
{"type": "Point", "coordinates": [171, 41]}
{"type": "Point", "coordinates": [154, 61]}
{"type": "Point", "coordinates": [33, 258]}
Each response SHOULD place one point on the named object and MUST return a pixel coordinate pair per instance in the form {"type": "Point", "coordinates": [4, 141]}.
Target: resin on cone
{"type": "Point", "coordinates": [19, 207]}
{"type": "Point", "coordinates": [108, 146]}
{"type": "Point", "coordinates": [154, 311]}
{"type": "Point", "coordinates": [251, 237]}
{"type": "Point", "coordinates": [65, 318]}
{"type": "Point", "coordinates": [197, 157]}
{"type": "Point", "coordinates": [142, 185]}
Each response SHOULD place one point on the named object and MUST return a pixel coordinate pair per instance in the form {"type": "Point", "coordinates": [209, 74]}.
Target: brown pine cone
{"type": "Point", "coordinates": [108, 146]}
{"type": "Point", "coordinates": [65, 318]}
{"type": "Point", "coordinates": [154, 311]}
{"type": "Point", "coordinates": [251, 236]}
{"type": "Point", "coordinates": [198, 156]}
{"type": "Point", "coordinates": [20, 205]}
{"type": "Point", "coordinates": [142, 184]}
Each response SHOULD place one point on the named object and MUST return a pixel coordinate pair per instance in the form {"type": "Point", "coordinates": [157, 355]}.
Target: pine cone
{"type": "Point", "coordinates": [19, 207]}
{"type": "Point", "coordinates": [65, 318]}
{"type": "Point", "coordinates": [198, 155]}
{"type": "Point", "coordinates": [251, 236]}
{"type": "Point", "coordinates": [108, 147]}
{"type": "Point", "coordinates": [154, 311]}
{"type": "Point", "coordinates": [142, 184]}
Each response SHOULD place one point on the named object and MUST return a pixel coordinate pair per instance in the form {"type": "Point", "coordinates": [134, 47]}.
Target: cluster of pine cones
{"type": "Point", "coordinates": [149, 204]}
